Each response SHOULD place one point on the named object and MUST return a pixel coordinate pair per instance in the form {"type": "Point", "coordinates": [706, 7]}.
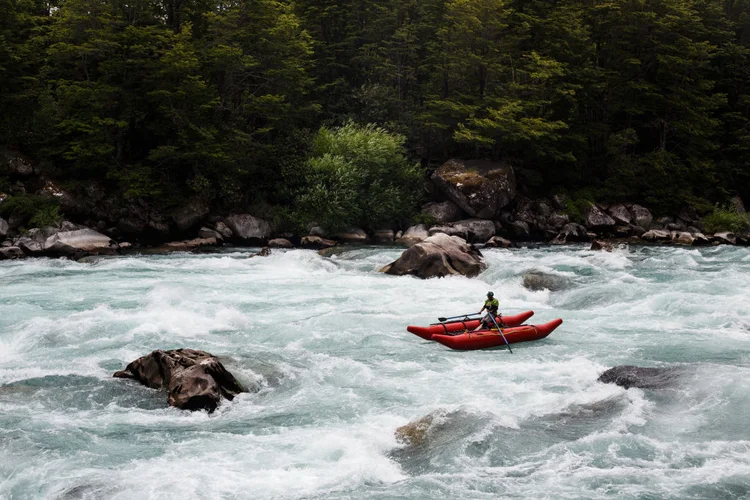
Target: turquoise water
{"type": "Point", "coordinates": [324, 343]}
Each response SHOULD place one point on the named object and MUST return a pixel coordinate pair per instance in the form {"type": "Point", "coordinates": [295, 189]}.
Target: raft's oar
{"type": "Point", "coordinates": [501, 332]}
{"type": "Point", "coordinates": [459, 316]}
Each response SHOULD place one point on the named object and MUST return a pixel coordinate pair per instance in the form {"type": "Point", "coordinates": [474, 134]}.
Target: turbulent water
{"type": "Point", "coordinates": [323, 343]}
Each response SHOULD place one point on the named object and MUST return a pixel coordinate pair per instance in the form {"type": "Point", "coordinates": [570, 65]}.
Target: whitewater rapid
{"type": "Point", "coordinates": [322, 343]}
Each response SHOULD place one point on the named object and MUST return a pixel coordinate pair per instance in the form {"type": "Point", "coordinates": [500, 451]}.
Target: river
{"type": "Point", "coordinates": [323, 343]}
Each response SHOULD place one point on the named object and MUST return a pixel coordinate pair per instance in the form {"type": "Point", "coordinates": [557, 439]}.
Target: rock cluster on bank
{"type": "Point", "coordinates": [480, 202]}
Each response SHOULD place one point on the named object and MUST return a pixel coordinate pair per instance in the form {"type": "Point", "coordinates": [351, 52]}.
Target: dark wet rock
{"type": "Point", "coordinates": [628, 376]}
{"type": "Point", "coordinates": [498, 241]}
{"type": "Point", "coordinates": [437, 256]}
{"type": "Point", "coordinates": [80, 241]}
{"type": "Point", "coordinates": [700, 239]}
{"type": "Point", "coordinates": [655, 235]}
{"type": "Point", "coordinates": [264, 252]}
{"type": "Point", "coordinates": [480, 188]}
{"type": "Point", "coordinates": [641, 216]}
{"type": "Point", "coordinates": [414, 235]}
{"type": "Point", "coordinates": [352, 235]}
{"type": "Point", "coordinates": [189, 215]}
{"type": "Point", "coordinates": [620, 214]}
{"type": "Point", "coordinates": [595, 218]}
{"type": "Point", "coordinates": [7, 253]}
{"type": "Point", "coordinates": [442, 212]}
{"type": "Point", "coordinates": [194, 380]}
{"type": "Point", "coordinates": [571, 233]}
{"type": "Point", "coordinates": [316, 242]}
{"type": "Point", "coordinates": [602, 245]}
{"type": "Point", "coordinates": [383, 236]}
{"type": "Point", "coordinates": [520, 229]}
{"type": "Point", "coordinates": [247, 228]}
{"type": "Point", "coordinates": [205, 232]}
{"type": "Point", "coordinates": [538, 280]}
{"type": "Point", "coordinates": [280, 243]}
{"type": "Point", "coordinates": [558, 220]}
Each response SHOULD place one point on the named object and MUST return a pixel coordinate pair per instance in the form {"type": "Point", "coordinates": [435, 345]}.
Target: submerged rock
{"type": "Point", "coordinates": [194, 380]}
{"type": "Point", "coordinates": [628, 376]}
{"type": "Point", "coordinates": [537, 280]}
{"type": "Point", "coordinates": [437, 256]}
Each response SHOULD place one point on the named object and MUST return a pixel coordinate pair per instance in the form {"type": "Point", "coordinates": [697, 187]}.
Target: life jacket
{"type": "Point", "coordinates": [492, 305]}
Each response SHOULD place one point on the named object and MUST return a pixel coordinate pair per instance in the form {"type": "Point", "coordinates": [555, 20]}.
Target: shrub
{"type": "Point", "coordinates": [36, 210]}
{"type": "Point", "coordinates": [725, 218]}
{"type": "Point", "coordinates": [358, 176]}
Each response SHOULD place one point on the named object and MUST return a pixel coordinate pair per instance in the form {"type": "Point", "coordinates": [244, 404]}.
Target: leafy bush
{"type": "Point", "coordinates": [36, 210]}
{"type": "Point", "coordinates": [358, 176]}
{"type": "Point", "coordinates": [726, 219]}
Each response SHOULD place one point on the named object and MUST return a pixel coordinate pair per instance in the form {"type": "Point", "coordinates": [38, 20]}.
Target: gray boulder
{"type": "Point", "coordinates": [280, 243]}
{"type": "Point", "coordinates": [7, 253]}
{"type": "Point", "coordinates": [558, 220]}
{"type": "Point", "coordinates": [596, 218]}
{"type": "Point", "coordinates": [413, 235]}
{"type": "Point", "coordinates": [656, 235]}
{"type": "Point", "coordinates": [190, 214]}
{"type": "Point", "coordinates": [223, 230]}
{"type": "Point", "coordinates": [620, 214]}
{"type": "Point", "coordinates": [316, 242]}
{"type": "Point", "coordinates": [641, 216]}
{"type": "Point", "coordinates": [737, 204]}
{"type": "Point", "coordinates": [206, 232]}
{"type": "Point", "coordinates": [442, 212]}
{"type": "Point", "coordinates": [248, 228]}
{"type": "Point", "coordinates": [538, 280]}
{"type": "Point", "coordinates": [725, 238]}
{"type": "Point", "coordinates": [194, 380]}
{"type": "Point", "coordinates": [683, 238]}
{"type": "Point", "coordinates": [352, 235]}
{"type": "Point", "coordinates": [437, 256]}
{"type": "Point", "coordinates": [85, 241]}
{"type": "Point", "coordinates": [3, 228]}
{"type": "Point", "coordinates": [479, 188]}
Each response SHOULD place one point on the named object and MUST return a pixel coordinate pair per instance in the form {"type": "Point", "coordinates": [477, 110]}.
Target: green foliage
{"type": "Point", "coordinates": [32, 209]}
{"type": "Point", "coordinates": [423, 218]}
{"type": "Point", "coordinates": [725, 218]}
{"type": "Point", "coordinates": [358, 176]}
{"type": "Point", "coordinates": [578, 203]}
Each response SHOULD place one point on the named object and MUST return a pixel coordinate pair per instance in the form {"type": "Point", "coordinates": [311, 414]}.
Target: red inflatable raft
{"type": "Point", "coordinates": [426, 332]}
{"type": "Point", "coordinates": [484, 339]}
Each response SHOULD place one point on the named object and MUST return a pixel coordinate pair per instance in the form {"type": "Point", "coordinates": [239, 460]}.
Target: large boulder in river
{"type": "Point", "coordinates": [78, 241]}
{"type": "Point", "coordinates": [437, 256]}
{"type": "Point", "coordinates": [194, 380]}
{"type": "Point", "coordinates": [442, 212]}
{"type": "Point", "coordinates": [480, 188]}
{"type": "Point", "coordinates": [628, 376]}
{"type": "Point", "coordinates": [249, 229]}
{"type": "Point", "coordinates": [537, 280]}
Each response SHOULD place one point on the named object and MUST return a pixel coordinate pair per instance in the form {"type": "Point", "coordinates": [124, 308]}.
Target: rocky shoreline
{"type": "Point", "coordinates": [477, 201]}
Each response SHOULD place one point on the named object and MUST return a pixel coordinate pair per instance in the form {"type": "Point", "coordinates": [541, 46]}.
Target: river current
{"type": "Point", "coordinates": [323, 343]}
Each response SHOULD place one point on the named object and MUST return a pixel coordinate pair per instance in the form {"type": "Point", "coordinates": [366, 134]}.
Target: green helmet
{"type": "Point", "coordinates": [490, 294]}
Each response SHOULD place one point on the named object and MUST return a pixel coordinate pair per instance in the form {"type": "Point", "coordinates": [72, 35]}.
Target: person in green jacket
{"type": "Point", "coordinates": [491, 305]}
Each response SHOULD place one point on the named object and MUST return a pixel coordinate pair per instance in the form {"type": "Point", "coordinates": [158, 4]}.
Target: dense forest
{"type": "Point", "coordinates": [248, 103]}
